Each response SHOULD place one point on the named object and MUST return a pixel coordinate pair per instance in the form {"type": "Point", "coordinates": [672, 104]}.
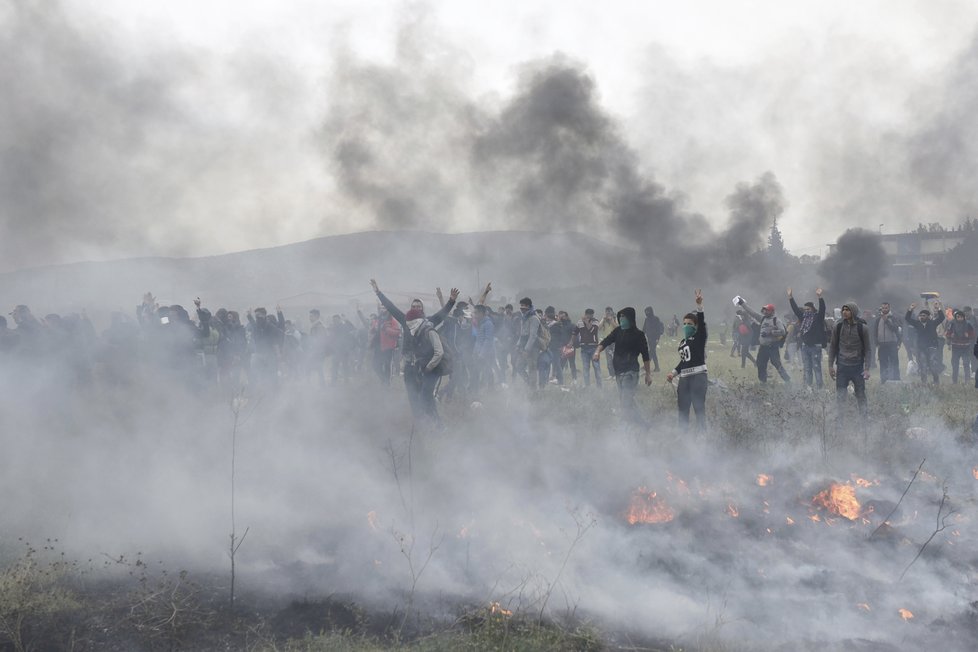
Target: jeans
{"type": "Point", "coordinates": [811, 357]}
{"type": "Point", "coordinates": [570, 361]}
{"type": "Point", "coordinates": [544, 362]}
{"type": "Point", "coordinates": [929, 363]}
{"type": "Point", "coordinates": [420, 386]}
{"type": "Point", "coordinates": [844, 375]}
{"type": "Point", "coordinates": [587, 358]}
{"type": "Point", "coordinates": [772, 353]}
{"type": "Point", "coordinates": [653, 345]}
{"type": "Point", "coordinates": [558, 371]}
{"type": "Point", "coordinates": [627, 387]}
{"type": "Point", "coordinates": [692, 393]}
{"type": "Point", "coordinates": [962, 353]}
{"type": "Point", "coordinates": [889, 361]}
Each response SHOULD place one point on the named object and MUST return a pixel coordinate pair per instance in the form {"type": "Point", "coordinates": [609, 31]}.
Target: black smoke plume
{"type": "Point", "coordinates": [855, 266]}
{"type": "Point", "coordinates": [419, 155]}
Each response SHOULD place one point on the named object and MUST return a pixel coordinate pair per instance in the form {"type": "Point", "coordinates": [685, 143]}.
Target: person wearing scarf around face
{"type": "Point", "coordinates": [692, 367]}
{"type": "Point", "coordinates": [811, 333]}
{"type": "Point", "coordinates": [629, 342]}
{"type": "Point", "coordinates": [422, 350]}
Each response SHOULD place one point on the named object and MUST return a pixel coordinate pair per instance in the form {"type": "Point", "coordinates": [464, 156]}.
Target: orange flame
{"type": "Point", "coordinates": [496, 608]}
{"type": "Point", "coordinates": [763, 479]}
{"type": "Point", "coordinates": [372, 520]}
{"type": "Point", "coordinates": [790, 520]}
{"type": "Point", "coordinates": [862, 482]}
{"type": "Point", "coordinates": [906, 614]}
{"type": "Point", "coordinates": [974, 472]}
{"type": "Point", "coordinates": [839, 499]}
{"type": "Point", "coordinates": [733, 511]}
{"type": "Point", "coordinates": [647, 507]}
{"type": "Point", "coordinates": [864, 606]}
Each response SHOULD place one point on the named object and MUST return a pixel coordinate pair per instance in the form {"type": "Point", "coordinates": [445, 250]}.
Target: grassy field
{"type": "Point", "coordinates": [49, 601]}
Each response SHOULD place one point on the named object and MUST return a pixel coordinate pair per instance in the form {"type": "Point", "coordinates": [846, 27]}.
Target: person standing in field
{"type": "Point", "coordinates": [629, 343]}
{"type": "Point", "coordinates": [692, 367]}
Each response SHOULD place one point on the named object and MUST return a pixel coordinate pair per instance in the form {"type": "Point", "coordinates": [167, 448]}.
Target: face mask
{"type": "Point", "coordinates": [689, 330]}
{"type": "Point", "coordinates": [624, 323]}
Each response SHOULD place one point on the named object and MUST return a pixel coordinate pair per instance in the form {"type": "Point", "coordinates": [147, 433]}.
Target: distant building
{"type": "Point", "coordinates": [919, 255]}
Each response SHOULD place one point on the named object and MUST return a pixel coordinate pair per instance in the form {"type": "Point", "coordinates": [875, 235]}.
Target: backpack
{"type": "Point", "coordinates": [860, 330]}
{"type": "Point", "coordinates": [543, 337]}
{"type": "Point", "coordinates": [449, 353]}
{"type": "Point", "coordinates": [778, 331]}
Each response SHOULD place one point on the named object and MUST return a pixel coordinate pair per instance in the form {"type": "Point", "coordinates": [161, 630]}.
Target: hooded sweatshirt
{"type": "Point", "coordinates": [960, 334]}
{"type": "Point", "coordinates": [850, 341]}
{"type": "Point", "coordinates": [629, 344]}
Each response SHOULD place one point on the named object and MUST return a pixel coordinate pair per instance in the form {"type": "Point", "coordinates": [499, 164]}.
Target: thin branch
{"type": "Point", "coordinates": [893, 511]}
{"type": "Point", "coordinates": [938, 528]}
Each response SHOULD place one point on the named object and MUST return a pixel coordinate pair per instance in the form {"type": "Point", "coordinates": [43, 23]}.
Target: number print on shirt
{"type": "Point", "coordinates": [684, 353]}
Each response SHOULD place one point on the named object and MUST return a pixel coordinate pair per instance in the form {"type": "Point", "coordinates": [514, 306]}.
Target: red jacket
{"type": "Point", "coordinates": [390, 332]}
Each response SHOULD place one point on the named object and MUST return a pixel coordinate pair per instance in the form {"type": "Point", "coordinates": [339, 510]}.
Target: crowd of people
{"type": "Point", "coordinates": [466, 348]}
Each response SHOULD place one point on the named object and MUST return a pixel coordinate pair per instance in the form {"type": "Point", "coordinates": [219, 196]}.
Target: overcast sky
{"type": "Point", "coordinates": [189, 128]}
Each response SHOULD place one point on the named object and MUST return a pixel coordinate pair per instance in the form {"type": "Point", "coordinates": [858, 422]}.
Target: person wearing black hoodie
{"type": "Point", "coordinates": [850, 350]}
{"type": "Point", "coordinates": [629, 343]}
{"type": "Point", "coordinates": [653, 330]}
{"type": "Point", "coordinates": [692, 367]}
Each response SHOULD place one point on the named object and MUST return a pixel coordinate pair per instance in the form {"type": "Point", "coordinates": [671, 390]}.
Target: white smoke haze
{"type": "Point", "coordinates": [517, 499]}
{"type": "Point", "coordinates": [114, 147]}
{"type": "Point", "coordinates": [128, 137]}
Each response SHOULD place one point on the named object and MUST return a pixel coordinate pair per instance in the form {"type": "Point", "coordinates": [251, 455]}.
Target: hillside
{"type": "Point", "coordinates": [330, 272]}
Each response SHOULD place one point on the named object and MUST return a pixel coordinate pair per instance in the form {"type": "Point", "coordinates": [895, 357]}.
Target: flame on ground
{"type": "Point", "coordinates": [839, 499]}
{"type": "Point", "coordinates": [372, 520]}
{"type": "Point", "coordinates": [864, 606]}
{"type": "Point", "coordinates": [974, 472]}
{"type": "Point", "coordinates": [647, 507]}
{"type": "Point", "coordinates": [906, 614]}
{"type": "Point", "coordinates": [497, 609]}
{"type": "Point", "coordinates": [733, 511]}
{"type": "Point", "coordinates": [764, 479]}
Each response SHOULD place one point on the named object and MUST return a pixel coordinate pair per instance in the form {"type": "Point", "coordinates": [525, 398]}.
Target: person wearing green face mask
{"type": "Point", "coordinates": [692, 367]}
{"type": "Point", "coordinates": [629, 343]}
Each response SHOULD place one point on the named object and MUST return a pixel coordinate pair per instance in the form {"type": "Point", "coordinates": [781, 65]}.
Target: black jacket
{"type": "Point", "coordinates": [629, 344]}
{"type": "Point", "coordinates": [926, 333]}
{"type": "Point", "coordinates": [815, 336]}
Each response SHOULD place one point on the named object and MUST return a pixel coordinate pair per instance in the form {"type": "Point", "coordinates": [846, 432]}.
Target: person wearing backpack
{"type": "Point", "coordinates": [420, 375]}
{"type": "Point", "coordinates": [811, 336]}
{"type": "Point", "coordinates": [771, 334]}
{"type": "Point", "coordinates": [850, 350]}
